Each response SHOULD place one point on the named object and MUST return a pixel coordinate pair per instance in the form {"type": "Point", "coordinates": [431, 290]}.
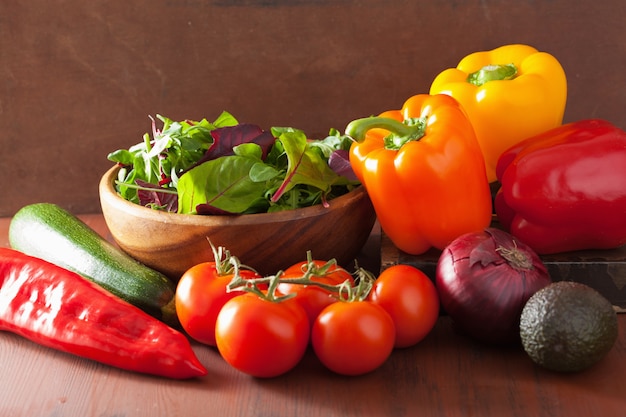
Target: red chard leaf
{"type": "Point", "coordinates": [339, 161]}
{"type": "Point", "coordinates": [153, 195]}
{"type": "Point", "coordinates": [207, 209]}
{"type": "Point", "coordinates": [226, 138]}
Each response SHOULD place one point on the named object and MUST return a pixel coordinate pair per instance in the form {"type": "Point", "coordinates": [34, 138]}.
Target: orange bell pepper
{"type": "Point", "coordinates": [424, 172]}
{"type": "Point", "coordinates": [510, 93]}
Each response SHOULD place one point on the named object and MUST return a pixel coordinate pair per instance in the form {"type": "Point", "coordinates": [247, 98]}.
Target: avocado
{"type": "Point", "coordinates": [568, 326]}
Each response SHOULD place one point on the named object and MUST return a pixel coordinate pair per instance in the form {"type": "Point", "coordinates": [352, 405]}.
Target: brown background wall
{"type": "Point", "coordinates": [78, 79]}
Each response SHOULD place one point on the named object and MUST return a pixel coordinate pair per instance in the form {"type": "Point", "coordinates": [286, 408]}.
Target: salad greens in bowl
{"type": "Point", "coordinates": [266, 196]}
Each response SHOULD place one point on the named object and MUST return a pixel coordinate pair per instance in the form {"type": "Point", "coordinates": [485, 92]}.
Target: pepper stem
{"type": "Point", "coordinates": [412, 129]}
{"type": "Point", "coordinates": [492, 73]}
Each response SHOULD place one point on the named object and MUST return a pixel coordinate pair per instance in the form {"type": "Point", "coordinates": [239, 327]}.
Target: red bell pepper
{"type": "Point", "coordinates": [59, 309]}
{"type": "Point", "coordinates": [565, 189]}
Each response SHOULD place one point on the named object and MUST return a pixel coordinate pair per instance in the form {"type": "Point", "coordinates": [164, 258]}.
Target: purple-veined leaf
{"type": "Point", "coordinates": [223, 183]}
{"type": "Point", "coordinates": [305, 165]}
{"type": "Point", "coordinates": [339, 161]}
{"type": "Point", "coordinates": [226, 138]}
{"type": "Point", "coordinates": [153, 195]}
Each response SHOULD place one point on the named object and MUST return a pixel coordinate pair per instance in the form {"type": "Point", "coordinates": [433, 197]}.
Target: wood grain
{"type": "Point", "coordinates": [268, 242]}
{"type": "Point", "coordinates": [447, 375]}
{"type": "Point", "coordinates": [603, 270]}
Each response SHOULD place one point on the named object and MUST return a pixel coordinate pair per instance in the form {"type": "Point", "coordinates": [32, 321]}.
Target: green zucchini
{"type": "Point", "coordinates": [49, 232]}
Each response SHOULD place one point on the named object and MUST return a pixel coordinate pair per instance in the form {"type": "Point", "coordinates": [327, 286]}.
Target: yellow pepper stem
{"type": "Point", "coordinates": [412, 129]}
{"type": "Point", "coordinates": [492, 73]}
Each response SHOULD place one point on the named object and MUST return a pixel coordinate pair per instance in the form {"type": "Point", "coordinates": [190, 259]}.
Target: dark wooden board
{"type": "Point", "coordinates": [604, 270]}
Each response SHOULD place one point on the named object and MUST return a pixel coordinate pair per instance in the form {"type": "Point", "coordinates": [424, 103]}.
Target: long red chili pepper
{"type": "Point", "coordinates": [57, 308]}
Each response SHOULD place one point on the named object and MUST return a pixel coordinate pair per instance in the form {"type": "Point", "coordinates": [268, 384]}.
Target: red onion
{"type": "Point", "coordinates": [484, 280]}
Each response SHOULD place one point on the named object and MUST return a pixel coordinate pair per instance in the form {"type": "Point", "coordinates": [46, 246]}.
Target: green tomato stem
{"type": "Point", "coordinates": [344, 291]}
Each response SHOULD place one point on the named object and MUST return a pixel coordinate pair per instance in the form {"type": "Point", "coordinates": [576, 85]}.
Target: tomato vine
{"type": "Point", "coordinates": [345, 291]}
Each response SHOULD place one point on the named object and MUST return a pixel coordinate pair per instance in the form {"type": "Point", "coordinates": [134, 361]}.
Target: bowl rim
{"type": "Point", "coordinates": [107, 192]}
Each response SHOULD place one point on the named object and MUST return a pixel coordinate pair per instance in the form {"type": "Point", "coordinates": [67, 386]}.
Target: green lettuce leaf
{"type": "Point", "coordinates": [305, 165]}
{"type": "Point", "coordinates": [223, 183]}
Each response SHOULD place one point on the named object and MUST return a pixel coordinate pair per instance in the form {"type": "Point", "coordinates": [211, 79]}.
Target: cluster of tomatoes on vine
{"type": "Point", "coordinates": [263, 325]}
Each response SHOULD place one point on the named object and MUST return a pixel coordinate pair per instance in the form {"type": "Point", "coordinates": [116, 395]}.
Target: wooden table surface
{"type": "Point", "coordinates": [446, 375]}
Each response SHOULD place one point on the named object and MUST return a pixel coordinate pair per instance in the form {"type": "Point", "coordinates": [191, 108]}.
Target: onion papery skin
{"type": "Point", "coordinates": [484, 292]}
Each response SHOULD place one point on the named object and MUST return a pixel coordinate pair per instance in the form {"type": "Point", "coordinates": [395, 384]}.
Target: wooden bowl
{"type": "Point", "coordinates": [269, 242]}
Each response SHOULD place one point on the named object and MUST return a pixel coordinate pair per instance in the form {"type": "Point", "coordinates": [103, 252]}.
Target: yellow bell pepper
{"type": "Point", "coordinates": [509, 94]}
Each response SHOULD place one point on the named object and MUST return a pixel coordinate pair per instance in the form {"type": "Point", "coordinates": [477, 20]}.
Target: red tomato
{"type": "Point", "coordinates": [353, 338]}
{"type": "Point", "coordinates": [311, 297]}
{"type": "Point", "coordinates": [410, 298]}
{"type": "Point", "coordinates": [200, 295]}
{"type": "Point", "coordinates": [262, 338]}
